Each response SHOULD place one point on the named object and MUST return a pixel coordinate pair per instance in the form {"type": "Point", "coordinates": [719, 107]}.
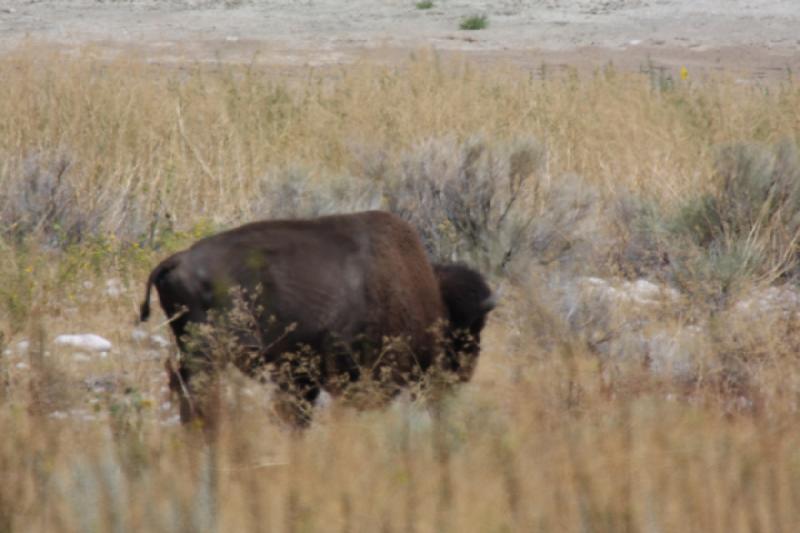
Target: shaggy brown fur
{"type": "Point", "coordinates": [333, 301]}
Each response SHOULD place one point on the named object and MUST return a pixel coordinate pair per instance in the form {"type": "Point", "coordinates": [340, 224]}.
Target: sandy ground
{"type": "Point", "coordinates": [754, 38]}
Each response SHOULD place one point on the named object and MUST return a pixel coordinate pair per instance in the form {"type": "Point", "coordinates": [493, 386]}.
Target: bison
{"type": "Point", "coordinates": [318, 304]}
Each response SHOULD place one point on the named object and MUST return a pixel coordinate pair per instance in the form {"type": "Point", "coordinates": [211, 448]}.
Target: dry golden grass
{"type": "Point", "coordinates": [550, 436]}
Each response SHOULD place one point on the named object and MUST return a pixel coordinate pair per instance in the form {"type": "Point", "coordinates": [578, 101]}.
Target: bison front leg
{"type": "Point", "coordinates": [297, 378]}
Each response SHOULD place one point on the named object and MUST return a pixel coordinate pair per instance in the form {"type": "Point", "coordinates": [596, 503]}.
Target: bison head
{"type": "Point", "coordinates": [468, 300]}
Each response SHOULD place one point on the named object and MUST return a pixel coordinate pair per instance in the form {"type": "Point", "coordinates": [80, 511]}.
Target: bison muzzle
{"type": "Point", "coordinates": [330, 303]}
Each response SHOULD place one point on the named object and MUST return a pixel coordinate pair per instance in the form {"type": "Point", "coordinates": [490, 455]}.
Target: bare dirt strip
{"type": "Point", "coordinates": [751, 39]}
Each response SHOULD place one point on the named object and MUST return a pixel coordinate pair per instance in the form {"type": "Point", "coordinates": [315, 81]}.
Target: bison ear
{"type": "Point", "coordinates": [489, 303]}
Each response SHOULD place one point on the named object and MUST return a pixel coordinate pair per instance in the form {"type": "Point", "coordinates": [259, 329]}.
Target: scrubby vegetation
{"type": "Point", "coordinates": [640, 374]}
{"type": "Point", "coordinates": [474, 22]}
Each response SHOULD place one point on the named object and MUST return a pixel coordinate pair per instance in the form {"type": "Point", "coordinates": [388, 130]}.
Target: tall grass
{"type": "Point", "coordinates": [196, 142]}
{"type": "Point", "coordinates": [591, 409]}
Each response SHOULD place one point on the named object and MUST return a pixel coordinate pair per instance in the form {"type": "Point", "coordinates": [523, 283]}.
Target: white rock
{"type": "Point", "coordinates": [174, 420]}
{"type": "Point", "coordinates": [58, 415]}
{"type": "Point", "coordinates": [160, 341]}
{"type": "Point", "coordinates": [645, 288]}
{"type": "Point", "coordinates": [85, 341]}
{"type": "Point", "coordinates": [595, 282]}
{"type": "Point", "coordinates": [784, 298]}
{"type": "Point", "coordinates": [114, 288]}
{"type": "Point", "coordinates": [22, 346]}
{"type": "Point", "coordinates": [323, 401]}
{"type": "Point", "coordinates": [647, 292]}
{"type": "Point", "coordinates": [82, 414]}
{"type": "Point", "coordinates": [140, 336]}
{"type": "Point", "coordinates": [22, 366]}
{"type": "Point", "coordinates": [641, 291]}
{"type": "Point", "coordinates": [674, 353]}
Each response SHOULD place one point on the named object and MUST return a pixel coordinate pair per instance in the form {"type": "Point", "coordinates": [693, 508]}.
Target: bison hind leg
{"type": "Point", "coordinates": [294, 403]}
{"type": "Point", "coordinates": [297, 376]}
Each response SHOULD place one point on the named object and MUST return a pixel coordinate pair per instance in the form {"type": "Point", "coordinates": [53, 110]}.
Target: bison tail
{"type": "Point", "coordinates": [158, 272]}
{"type": "Point", "coordinates": [144, 309]}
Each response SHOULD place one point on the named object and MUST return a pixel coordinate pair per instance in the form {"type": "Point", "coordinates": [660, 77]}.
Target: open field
{"type": "Point", "coordinates": [641, 226]}
{"type": "Point", "coordinates": [599, 403]}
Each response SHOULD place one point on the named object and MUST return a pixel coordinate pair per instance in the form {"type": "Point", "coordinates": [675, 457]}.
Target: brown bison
{"type": "Point", "coordinates": [316, 304]}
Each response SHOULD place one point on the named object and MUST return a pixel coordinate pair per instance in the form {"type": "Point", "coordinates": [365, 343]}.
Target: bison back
{"type": "Point", "coordinates": [349, 279]}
